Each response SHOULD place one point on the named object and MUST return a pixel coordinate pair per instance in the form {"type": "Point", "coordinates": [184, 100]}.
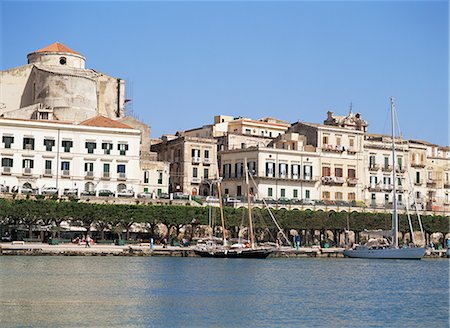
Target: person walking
{"type": "Point", "coordinates": [88, 241]}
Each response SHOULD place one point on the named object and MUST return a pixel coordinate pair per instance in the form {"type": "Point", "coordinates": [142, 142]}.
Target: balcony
{"type": "Point", "coordinates": [65, 174]}
{"type": "Point", "coordinates": [207, 161]}
{"type": "Point", "coordinates": [387, 168]}
{"type": "Point", "coordinates": [196, 160]}
{"type": "Point", "coordinates": [418, 165]}
{"type": "Point", "coordinates": [447, 185]}
{"type": "Point", "coordinates": [106, 176]}
{"type": "Point", "coordinates": [28, 147]}
{"type": "Point", "coordinates": [332, 180]}
{"type": "Point", "coordinates": [48, 173]}
{"type": "Point", "coordinates": [400, 189]}
{"type": "Point", "coordinates": [196, 180]}
{"type": "Point", "coordinates": [431, 183]}
{"type": "Point", "coordinates": [121, 176]}
{"type": "Point", "coordinates": [374, 167]}
{"type": "Point", "coordinates": [27, 171]}
{"type": "Point", "coordinates": [374, 188]}
{"type": "Point", "coordinates": [387, 187]}
{"type": "Point", "coordinates": [352, 181]}
{"type": "Point", "coordinates": [6, 170]}
{"type": "Point", "coordinates": [351, 150]}
{"type": "Point", "coordinates": [333, 148]}
{"type": "Point", "coordinates": [418, 182]}
{"type": "Point", "coordinates": [400, 169]}
{"type": "Point", "coordinates": [89, 175]}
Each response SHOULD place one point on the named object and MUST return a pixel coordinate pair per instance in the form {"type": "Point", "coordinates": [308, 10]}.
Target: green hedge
{"type": "Point", "coordinates": [32, 212]}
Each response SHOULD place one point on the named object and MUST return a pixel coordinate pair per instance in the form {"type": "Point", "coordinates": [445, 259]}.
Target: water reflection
{"type": "Point", "coordinates": [193, 292]}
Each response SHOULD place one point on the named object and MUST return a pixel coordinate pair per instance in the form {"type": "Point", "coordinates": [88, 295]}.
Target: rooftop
{"type": "Point", "coordinates": [57, 47]}
{"type": "Point", "coordinates": [102, 121]}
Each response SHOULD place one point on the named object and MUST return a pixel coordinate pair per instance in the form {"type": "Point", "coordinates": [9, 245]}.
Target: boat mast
{"type": "Point", "coordinates": [219, 193]}
{"type": "Point", "coordinates": [394, 182]}
{"type": "Point", "coordinates": [250, 224]}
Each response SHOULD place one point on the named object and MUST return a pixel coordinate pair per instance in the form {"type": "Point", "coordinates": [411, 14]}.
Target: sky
{"type": "Point", "coordinates": [185, 62]}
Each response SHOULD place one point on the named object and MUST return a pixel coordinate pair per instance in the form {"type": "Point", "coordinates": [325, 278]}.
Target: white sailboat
{"type": "Point", "coordinates": [391, 251]}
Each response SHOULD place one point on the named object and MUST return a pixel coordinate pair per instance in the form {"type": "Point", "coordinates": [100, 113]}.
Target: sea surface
{"type": "Point", "coordinates": [200, 292]}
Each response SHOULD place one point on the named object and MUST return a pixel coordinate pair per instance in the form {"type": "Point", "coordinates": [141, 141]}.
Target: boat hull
{"type": "Point", "coordinates": [414, 253]}
{"type": "Point", "coordinates": [231, 253]}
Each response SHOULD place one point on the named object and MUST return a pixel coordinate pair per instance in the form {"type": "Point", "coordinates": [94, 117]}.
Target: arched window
{"type": "Point", "coordinates": [121, 187]}
{"type": "Point", "coordinates": [27, 185]}
{"type": "Point", "coordinates": [89, 187]}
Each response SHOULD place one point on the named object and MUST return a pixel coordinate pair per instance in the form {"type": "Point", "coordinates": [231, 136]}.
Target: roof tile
{"type": "Point", "coordinates": [57, 47]}
{"type": "Point", "coordinates": [103, 121]}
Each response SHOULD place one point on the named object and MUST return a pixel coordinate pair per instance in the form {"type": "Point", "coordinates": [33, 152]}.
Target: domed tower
{"type": "Point", "coordinates": [57, 54]}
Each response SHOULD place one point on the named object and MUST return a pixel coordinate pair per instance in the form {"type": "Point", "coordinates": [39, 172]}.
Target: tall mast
{"type": "Point", "coordinates": [250, 224]}
{"type": "Point", "coordinates": [394, 182]}
{"type": "Point", "coordinates": [219, 192]}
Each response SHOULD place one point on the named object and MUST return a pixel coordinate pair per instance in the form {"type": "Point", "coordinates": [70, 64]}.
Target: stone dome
{"type": "Point", "coordinates": [57, 54]}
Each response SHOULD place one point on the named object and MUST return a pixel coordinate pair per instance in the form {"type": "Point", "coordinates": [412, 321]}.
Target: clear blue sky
{"type": "Point", "coordinates": [188, 61]}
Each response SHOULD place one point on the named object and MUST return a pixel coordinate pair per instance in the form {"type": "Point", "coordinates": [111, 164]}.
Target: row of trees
{"type": "Point", "coordinates": [105, 217]}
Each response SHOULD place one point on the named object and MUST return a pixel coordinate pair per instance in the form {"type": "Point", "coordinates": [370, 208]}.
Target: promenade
{"type": "Point", "coordinates": [41, 249]}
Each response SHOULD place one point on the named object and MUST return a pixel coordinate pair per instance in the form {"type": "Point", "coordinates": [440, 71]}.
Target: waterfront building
{"type": "Point", "coordinates": [56, 96]}
{"type": "Point", "coordinates": [83, 158]}
{"type": "Point", "coordinates": [378, 167]}
{"type": "Point", "coordinates": [193, 163]}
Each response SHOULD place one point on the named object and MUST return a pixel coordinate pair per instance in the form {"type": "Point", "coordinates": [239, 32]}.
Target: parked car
{"type": "Point", "coordinates": [88, 193]}
{"type": "Point", "coordinates": [3, 188]}
{"type": "Point", "coordinates": [164, 195]}
{"type": "Point", "coordinates": [49, 191]}
{"type": "Point", "coordinates": [26, 190]}
{"type": "Point", "coordinates": [125, 193]}
{"type": "Point", "coordinates": [105, 193]}
{"type": "Point", "coordinates": [284, 200]}
{"type": "Point", "coordinates": [269, 200]}
{"type": "Point", "coordinates": [304, 201]}
{"type": "Point", "coordinates": [145, 194]}
{"type": "Point", "coordinates": [342, 203]}
{"type": "Point", "coordinates": [180, 195]}
{"type": "Point", "coordinates": [232, 200]}
{"type": "Point", "coordinates": [70, 192]}
{"type": "Point", "coordinates": [211, 199]}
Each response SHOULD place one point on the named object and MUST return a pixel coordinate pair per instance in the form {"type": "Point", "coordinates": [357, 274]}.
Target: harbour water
{"type": "Point", "coordinates": [58, 291]}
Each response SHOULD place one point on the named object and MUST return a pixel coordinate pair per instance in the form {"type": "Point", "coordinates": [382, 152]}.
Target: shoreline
{"type": "Point", "coordinates": [41, 249]}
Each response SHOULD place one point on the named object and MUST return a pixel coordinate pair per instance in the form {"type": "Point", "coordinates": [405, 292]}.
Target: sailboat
{"type": "Point", "coordinates": [389, 251]}
{"type": "Point", "coordinates": [239, 250]}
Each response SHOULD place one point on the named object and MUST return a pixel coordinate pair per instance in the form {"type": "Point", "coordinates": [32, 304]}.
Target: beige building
{"type": "Point", "coordinates": [56, 87]}
{"type": "Point", "coordinates": [193, 163]}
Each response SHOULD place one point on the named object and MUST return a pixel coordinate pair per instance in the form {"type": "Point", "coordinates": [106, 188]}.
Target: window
{"type": "Point", "coordinates": [283, 170]}
{"type": "Point", "coordinates": [338, 141]}
{"type": "Point", "coordinates": [351, 196]}
{"type": "Point", "coordinates": [325, 195]}
{"type": "Point", "coordinates": [206, 153]}
{"type": "Point", "coordinates": [160, 177]}
{"type": "Point", "coordinates": [307, 172]}
{"type": "Point", "coordinates": [49, 144]}
{"type": "Point", "coordinates": [195, 153]}
{"type": "Point", "coordinates": [269, 192]}
{"type": "Point", "coordinates": [238, 170]}
{"type": "Point", "coordinates": [48, 165]}
{"type": "Point", "coordinates": [239, 191]}
{"type": "Point", "coordinates": [226, 171]}
{"type": "Point", "coordinates": [146, 176]}
{"type": "Point", "coordinates": [295, 169]}
{"type": "Point", "coordinates": [386, 181]}
{"type": "Point", "coordinates": [325, 140]}
{"type": "Point", "coordinates": [205, 173]}
{"type": "Point", "coordinates": [248, 131]}
{"type": "Point", "coordinates": [386, 161]}
{"type": "Point", "coordinates": [338, 195]}
{"type": "Point", "coordinates": [386, 198]}
{"type": "Point", "coordinates": [351, 142]}
{"type": "Point", "coordinates": [307, 194]}
{"type": "Point", "coordinates": [27, 163]}
{"type": "Point", "coordinates": [326, 171]}
{"type": "Point", "coordinates": [8, 141]}
{"type": "Point", "coordinates": [63, 60]}
{"type": "Point", "coordinates": [89, 167]}
{"type": "Point", "coordinates": [106, 168]}
{"type": "Point", "coordinates": [28, 143]}
{"type": "Point", "coordinates": [194, 172]}
{"type": "Point", "coordinates": [418, 177]}
{"type": "Point", "coordinates": [351, 173]}
{"type": "Point", "coordinates": [252, 168]}
{"type": "Point", "coordinates": [373, 181]}
{"type": "Point", "coordinates": [372, 161]}
{"type": "Point", "coordinates": [107, 147]}
{"type": "Point", "coordinates": [67, 145]}
{"type": "Point", "coordinates": [400, 162]}
{"type": "Point", "coordinates": [159, 191]}
{"type": "Point", "coordinates": [122, 148]}
{"type": "Point", "coordinates": [270, 168]}
{"type": "Point", "coordinates": [338, 171]}
{"type": "Point", "coordinates": [283, 192]}
{"type": "Point", "coordinates": [7, 162]}
{"type": "Point", "coordinates": [121, 168]}
{"type": "Point", "coordinates": [295, 193]}
{"type": "Point", "coordinates": [90, 146]}
{"type": "Point", "coordinates": [227, 191]}
{"type": "Point", "coordinates": [65, 166]}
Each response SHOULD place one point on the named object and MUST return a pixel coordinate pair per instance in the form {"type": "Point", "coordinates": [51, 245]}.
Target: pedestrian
{"type": "Point", "coordinates": [88, 241]}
